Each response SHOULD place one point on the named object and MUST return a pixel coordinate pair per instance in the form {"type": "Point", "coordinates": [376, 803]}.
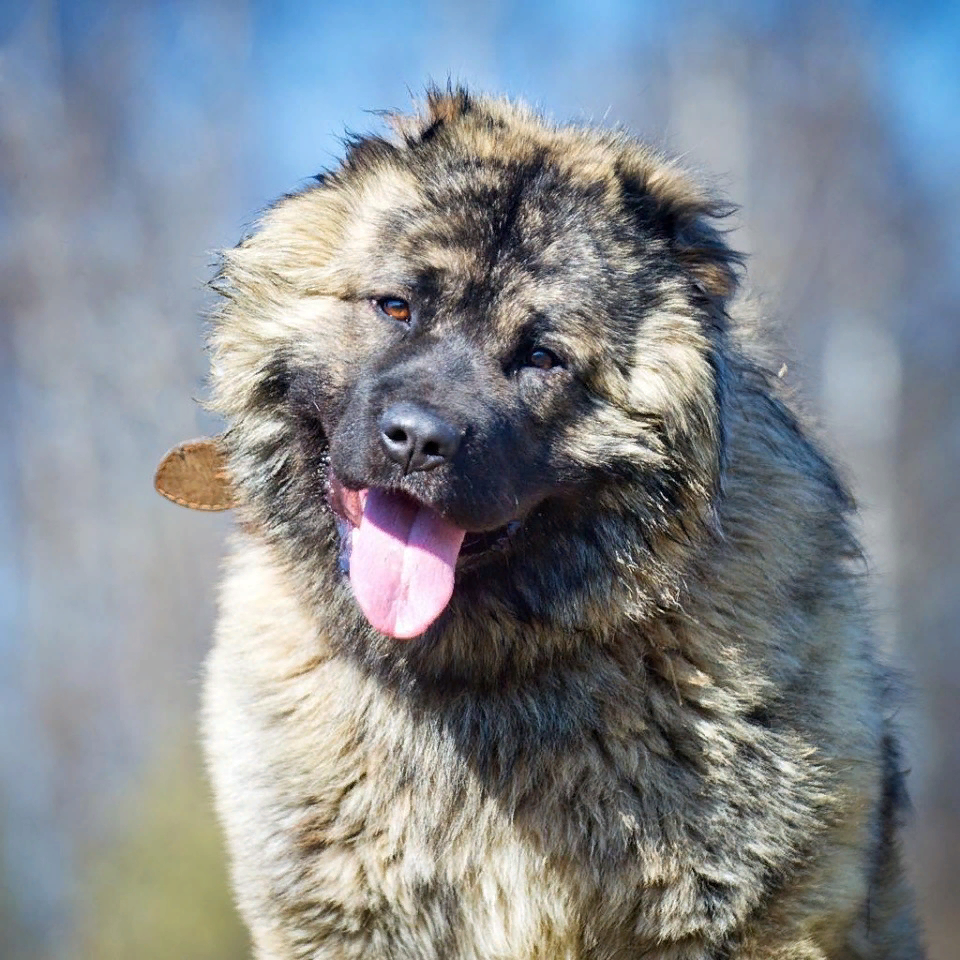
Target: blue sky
{"type": "Point", "coordinates": [312, 70]}
{"type": "Point", "coordinates": [328, 62]}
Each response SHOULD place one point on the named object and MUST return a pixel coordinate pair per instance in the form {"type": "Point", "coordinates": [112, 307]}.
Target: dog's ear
{"type": "Point", "coordinates": [668, 200]}
{"type": "Point", "coordinates": [194, 475]}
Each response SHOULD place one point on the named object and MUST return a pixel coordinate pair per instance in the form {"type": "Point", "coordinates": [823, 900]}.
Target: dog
{"type": "Point", "coordinates": [543, 633]}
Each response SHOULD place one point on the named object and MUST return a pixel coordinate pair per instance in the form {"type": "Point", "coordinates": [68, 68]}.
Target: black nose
{"type": "Point", "coordinates": [417, 438]}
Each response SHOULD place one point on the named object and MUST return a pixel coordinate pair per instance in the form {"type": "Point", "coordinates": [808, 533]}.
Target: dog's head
{"type": "Point", "coordinates": [486, 351]}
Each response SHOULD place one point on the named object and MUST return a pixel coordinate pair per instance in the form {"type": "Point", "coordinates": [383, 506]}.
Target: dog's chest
{"type": "Point", "coordinates": [410, 838]}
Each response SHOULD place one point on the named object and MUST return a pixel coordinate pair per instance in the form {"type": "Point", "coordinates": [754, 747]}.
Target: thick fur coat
{"type": "Point", "coordinates": [649, 721]}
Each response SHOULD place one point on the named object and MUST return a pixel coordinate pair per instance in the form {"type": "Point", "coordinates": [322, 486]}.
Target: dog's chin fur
{"type": "Point", "coordinates": [649, 722]}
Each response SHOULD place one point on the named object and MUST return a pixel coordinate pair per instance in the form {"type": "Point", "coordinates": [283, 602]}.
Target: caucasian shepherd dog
{"type": "Point", "coordinates": [543, 634]}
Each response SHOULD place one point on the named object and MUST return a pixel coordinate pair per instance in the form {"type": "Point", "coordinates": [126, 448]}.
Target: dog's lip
{"type": "Point", "coordinates": [347, 504]}
{"type": "Point", "coordinates": [347, 507]}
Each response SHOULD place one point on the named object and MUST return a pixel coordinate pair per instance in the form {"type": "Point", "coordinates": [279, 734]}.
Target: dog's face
{"type": "Point", "coordinates": [469, 348]}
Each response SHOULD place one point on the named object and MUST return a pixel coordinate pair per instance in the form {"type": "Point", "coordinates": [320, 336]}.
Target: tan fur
{"type": "Point", "coordinates": [687, 758]}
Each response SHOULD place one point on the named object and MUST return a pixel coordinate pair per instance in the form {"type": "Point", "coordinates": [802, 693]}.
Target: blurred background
{"type": "Point", "coordinates": [138, 138]}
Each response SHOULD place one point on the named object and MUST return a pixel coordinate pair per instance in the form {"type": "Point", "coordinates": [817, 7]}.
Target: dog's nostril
{"type": "Point", "coordinates": [417, 437]}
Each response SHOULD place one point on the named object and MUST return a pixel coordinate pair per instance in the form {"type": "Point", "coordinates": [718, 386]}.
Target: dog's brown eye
{"type": "Point", "coordinates": [542, 359]}
{"type": "Point", "coordinates": [395, 308]}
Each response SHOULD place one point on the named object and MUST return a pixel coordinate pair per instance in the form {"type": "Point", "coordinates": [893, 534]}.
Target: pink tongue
{"type": "Point", "coordinates": [402, 557]}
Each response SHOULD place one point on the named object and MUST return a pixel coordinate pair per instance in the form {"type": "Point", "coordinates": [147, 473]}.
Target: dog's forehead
{"type": "Point", "coordinates": [515, 231]}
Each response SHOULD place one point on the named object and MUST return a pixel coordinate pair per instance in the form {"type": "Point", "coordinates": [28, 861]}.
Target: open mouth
{"type": "Point", "coordinates": [401, 556]}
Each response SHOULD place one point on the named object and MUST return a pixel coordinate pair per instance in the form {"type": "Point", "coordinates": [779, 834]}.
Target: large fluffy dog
{"type": "Point", "coordinates": [542, 636]}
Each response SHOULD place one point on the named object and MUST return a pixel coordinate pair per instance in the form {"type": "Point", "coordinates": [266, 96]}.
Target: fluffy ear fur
{"type": "Point", "coordinates": [676, 207]}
